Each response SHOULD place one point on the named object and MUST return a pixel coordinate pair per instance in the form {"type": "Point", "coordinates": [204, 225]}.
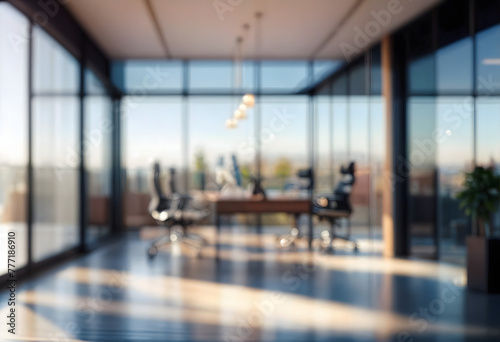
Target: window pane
{"type": "Point", "coordinates": [56, 150]}
{"type": "Point", "coordinates": [55, 69]}
{"type": "Point", "coordinates": [323, 69]}
{"type": "Point", "coordinates": [340, 135]}
{"type": "Point", "coordinates": [323, 145]}
{"type": "Point", "coordinates": [152, 131]}
{"type": "Point", "coordinates": [422, 149]}
{"type": "Point", "coordinates": [422, 77]}
{"type": "Point", "coordinates": [358, 152]}
{"type": "Point", "coordinates": [212, 146]}
{"type": "Point", "coordinates": [488, 141]}
{"type": "Point", "coordinates": [376, 71]}
{"type": "Point", "coordinates": [211, 75]}
{"type": "Point", "coordinates": [98, 134]}
{"type": "Point", "coordinates": [454, 68]}
{"type": "Point", "coordinates": [13, 132]}
{"type": "Point", "coordinates": [284, 142]}
{"type": "Point", "coordinates": [284, 76]}
{"type": "Point", "coordinates": [55, 172]}
{"type": "Point", "coordinates": [149, 76]}
{"type": "Point", "coordinates": [221, 76]}
{"type": "Point", "coordinates": [377, 155]}
{"type": "Point", "coordinates": [357, 79]}
{"type": "Point", "coordinates": [340, 85]}
{"type": "Point", "coordinates": [455, 157]}
{"type": "Point", "coordinates": [93, 86]}
{"type": "Point", "coordinates": [488, 61]}
{"type": "Point", "coordinates": [488, 126]}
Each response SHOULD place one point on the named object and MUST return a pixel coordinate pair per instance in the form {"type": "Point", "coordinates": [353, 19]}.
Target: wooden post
{"type": "Point", "coordinates": [388, 193]}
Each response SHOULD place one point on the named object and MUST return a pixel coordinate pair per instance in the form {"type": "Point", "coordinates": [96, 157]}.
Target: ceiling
{"type": "Point", "coordinates": [208, 29]}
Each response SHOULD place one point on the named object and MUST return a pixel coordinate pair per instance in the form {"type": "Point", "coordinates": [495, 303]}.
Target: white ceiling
{"type": "Point", "coordinates": [194, 29]}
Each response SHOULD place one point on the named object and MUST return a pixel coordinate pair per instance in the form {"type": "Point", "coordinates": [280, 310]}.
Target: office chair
{"type": "Point", "coordinates": [174, 211]}
{"type": "Point", "coordinates": [327, 207]}
{"type": "Point", "coordinates": [337, 206]}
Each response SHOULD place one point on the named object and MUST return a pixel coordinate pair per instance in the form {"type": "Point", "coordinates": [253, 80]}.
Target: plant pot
{"type": "Point", "coordinates": [483, 260]}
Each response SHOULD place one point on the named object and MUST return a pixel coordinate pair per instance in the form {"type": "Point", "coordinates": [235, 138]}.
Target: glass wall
{"type": "Point", "coordinates": [56, 151]}
{"type": "Point", "coordinates": [13, 132]}
{"type": "Point", "coordinates": [451, 114]}
{"type": "Point", "coordinates": [350, 126]}
{"type": "Point", "coordinates": [40, 133]}
{"type": "Point", "coordinates": [275, 140]}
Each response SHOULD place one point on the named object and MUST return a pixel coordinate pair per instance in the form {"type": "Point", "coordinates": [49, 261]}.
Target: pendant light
{"type": "Point", "coordinates": [232, 122]}
{"type": "Point", "coordinates": [249, 99]}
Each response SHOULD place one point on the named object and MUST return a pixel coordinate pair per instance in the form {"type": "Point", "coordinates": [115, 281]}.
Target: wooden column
{"type": "Point", "coordinates": [388, 193]}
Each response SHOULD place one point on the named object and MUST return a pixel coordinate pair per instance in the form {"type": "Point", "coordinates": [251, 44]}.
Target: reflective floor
{"type": "Point", "coordinates": [255, 293]}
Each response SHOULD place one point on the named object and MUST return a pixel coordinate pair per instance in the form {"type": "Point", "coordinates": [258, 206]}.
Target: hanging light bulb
{"type": "Point", "coordinates": [231, 123]}
{"type": "Point", "coordinates": [249, 100]}
{"type": "Point", "coordinates": [240, 114]}
{"type": "Point", "coordinates": [243, 107]}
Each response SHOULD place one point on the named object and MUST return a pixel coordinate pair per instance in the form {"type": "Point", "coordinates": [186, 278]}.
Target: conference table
{"type": "Point", "coordinates": [232, 206]}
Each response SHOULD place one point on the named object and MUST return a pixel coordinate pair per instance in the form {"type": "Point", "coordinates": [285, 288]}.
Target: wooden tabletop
{"type": "Point", "coordinates": [275, 205]}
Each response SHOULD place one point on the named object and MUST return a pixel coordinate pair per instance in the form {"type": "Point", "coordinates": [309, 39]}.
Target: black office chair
{"type": "Point", "coordinates": [337, 206]}
{"type": "Point", "coordinates": [327, 207]}
{"type": "Point", "coordinates": [174, 211]}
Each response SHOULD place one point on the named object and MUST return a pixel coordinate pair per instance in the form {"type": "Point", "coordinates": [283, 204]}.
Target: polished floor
{"type": "Point", "coordinates": [255, 293]}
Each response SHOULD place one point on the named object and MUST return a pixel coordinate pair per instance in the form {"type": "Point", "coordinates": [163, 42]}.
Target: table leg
{"type": "Point", "coordinates": [217, 237]}
{"type": "Point", "coordinates": [295, 221]}
{"type": "Point", "coordinates": [311, 232]}
{"type": "Point", "coordinates": [259, 224]}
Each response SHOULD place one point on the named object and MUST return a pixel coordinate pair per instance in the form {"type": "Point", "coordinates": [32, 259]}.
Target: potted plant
{"type": "Point", "coordinates": [480, 199]}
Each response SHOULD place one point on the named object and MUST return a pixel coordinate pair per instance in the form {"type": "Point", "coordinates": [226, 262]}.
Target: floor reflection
{"type": "Point", "coordinates": [255, 293]}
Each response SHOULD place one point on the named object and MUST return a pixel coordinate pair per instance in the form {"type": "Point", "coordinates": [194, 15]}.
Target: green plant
{"type": "Point", "coordinates": [480, 196]}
